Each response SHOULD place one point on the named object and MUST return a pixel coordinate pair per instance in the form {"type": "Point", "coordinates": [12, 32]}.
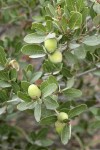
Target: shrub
{"type": "Point", "coordinates": [66, 42]}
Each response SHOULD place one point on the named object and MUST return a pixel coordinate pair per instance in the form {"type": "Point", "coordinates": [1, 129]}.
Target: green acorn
{"type": "Point", "coordinates": [34, 92]}
{"type": "Point", "coordinates": [50, 45]}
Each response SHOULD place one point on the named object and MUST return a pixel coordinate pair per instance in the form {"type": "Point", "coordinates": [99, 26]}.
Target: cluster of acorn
{"type": "Point", "coordinates": [35, 93]}
{"type": "Point", "coordinates": [59, 124]}
{"type": "Point", "coordinates": [54, 55]}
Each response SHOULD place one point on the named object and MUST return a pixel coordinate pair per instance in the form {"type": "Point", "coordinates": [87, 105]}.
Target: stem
{"type": "Point", "coordinates": [79, 141]}
{"type": "Point", "coordinates": [88, 71]}
{"type": "Point", "coordinates": [56, 112]}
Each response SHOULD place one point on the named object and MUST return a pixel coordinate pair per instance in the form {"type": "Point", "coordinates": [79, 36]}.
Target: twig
{"type": "Point", "coordinates": [88, 71]}
{"type": "Point", "coordinates": [56, 111]}
{"type": "Point", "coordinates": [79, 141]}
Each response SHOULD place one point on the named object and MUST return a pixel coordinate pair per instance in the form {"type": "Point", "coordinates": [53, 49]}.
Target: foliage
{"type": "Point", "coordinates": [75, 25]}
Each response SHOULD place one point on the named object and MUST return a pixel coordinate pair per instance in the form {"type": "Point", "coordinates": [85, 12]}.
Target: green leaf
{"type": "Point", "coordinates": [2, 56]}
{"type": "Point", "coordinates": [32, 104]}
{"type": "Point", "coordinates": [66, 134]}
{"type": "Point", "coordinates": [34, 38]}
{"type": "Point", "coordinates": [73, 46]}
{"type": "Point", "coordinates": [57, 26]}
{"type": "Point", "coordinates": [89, 48]}
{"type": "Point", "coordinates": [49, 25]}
{"type": "Point", "coordinates": [72, 93]}
{"type": "Point", "coordinates": [48, 120]}
{"type": "Point", "coordinates": [23, 96]}
{"type": "Point", "coordinates": [25, 85]}
{"type": "Point", "coordinates": [50, 80]}
{"type": "Point", "coordinates": [85, 13]}
{"type": "Point", "coordinates": [37, 112]}
{"type": "Point", "coordinates": [36, 76]}
{"type": "Point", "coordinates": [64, 23]}
{"type": "Point", "coordinates": [66, 12]}
{"type": "Point", "coordinates": [80, 52]}
{"type": "Point", "coordinates": [49, 67]}
{"type": "Point", "coordinates": [90, 56]}
{"type": "Point", "coordinates": [34, 51]}
{"type": "Point", "coordinates": [50, 103]}
{"type": "Point", "coordinates": [28, 75]}
{"type": "Point", "coordinates": [96, 8]}
{"type": "Point", "coordinates": [29, 68]}
{"type": "Point", "coordinates": [48, 12]}
{"type": "Point", "coordinates": [52, 10]}
{"type": "Point", "coordinates": [49, 89]}
{"type": "Point", "coordinates": [39, 27]}
{"type": "Point", "coordinates": [22, 106]}
{"type": "Point", "coordinates": [70, 82]}
{"type": "Point", "coordinates": [75, 20]}
{"type": "Point", "coordinates": [26, 105]}
{"type": "Point", "coordinates": [60, 1]}
{"type": "Point", "coordinates": [3, 96]}
{"type": "Point", "coordinates": [46, 112]}
{"type": "Point", "coordinates": [65, 105]}
{"type": "Point", "coordinates": [13, 74]}
{"type": "Point", "coordinates": [80, 5]}
{"type": "Point", "coordinates": [18, 46]}
{"type": "Point", "coordinates": [95, 110]}
{"type": "Point", "coordinates": [77, 110]}
{"type": "Point", "coordinates": [92, 40]}
{"type": "Point", "coordinates": [95, 125]}
{"type": "Point", "coordinates": [70, 5]}
{"type": "Point", "coordinates": [42, 133]}
{"type": "Point", "coordinates": [66, 72]}
{"type": "Point", "coordinates": [96, 20]}
{"type": "Point", "coordinates": [14, 100]}
{"type": "Point", "coordinates": [4, 84]}
{"type": "Point", "coordinates": [4, 75]}
{"type": "Point", "coordinates": [64, 110]}
{"type": "Point", "coordinates": [70, 58]}
{"type": "Point", "coordinates": [46, 142]}
{"type": "Point", "coordinates": [15, 87]}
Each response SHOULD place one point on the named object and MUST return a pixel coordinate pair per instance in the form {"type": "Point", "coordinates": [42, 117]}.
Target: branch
{"type": "Point", "coordinates": [88, 71]}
